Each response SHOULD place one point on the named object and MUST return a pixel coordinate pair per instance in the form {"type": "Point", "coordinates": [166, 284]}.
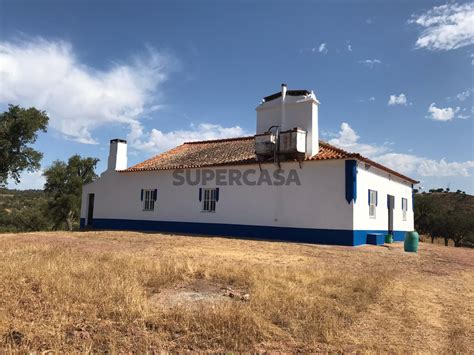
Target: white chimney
{"type": "Point", "coordinates": [117, 155]}
{"type": "Point", "coordinates": [284, 89]}
{"type": "Point", "coordinates": [289, 109]}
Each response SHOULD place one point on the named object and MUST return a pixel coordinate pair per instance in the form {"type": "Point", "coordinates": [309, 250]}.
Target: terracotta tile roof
{"type": "Point", "coordinates": [235, 151]}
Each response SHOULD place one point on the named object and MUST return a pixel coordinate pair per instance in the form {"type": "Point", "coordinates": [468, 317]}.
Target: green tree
{"type": "Point", "coordinates": [64, 183]}
{"type": "Point", "coordinates": [18, 129]}
{"type": "Point", "coordinates": [459, 226]}
{"type": "Point", "coordinates": [424, 214]}
{"type": "Point", "coordinates": [449, 216]}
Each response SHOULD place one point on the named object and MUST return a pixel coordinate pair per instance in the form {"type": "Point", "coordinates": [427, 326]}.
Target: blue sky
{"type": "Point", "coordinates": [394, 78]}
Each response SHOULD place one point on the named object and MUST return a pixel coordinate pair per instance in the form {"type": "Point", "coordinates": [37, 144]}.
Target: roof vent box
{"type": "Point", "coordinates": [293, 141]}
{"type": "Point", "coordinates": [265, 144]}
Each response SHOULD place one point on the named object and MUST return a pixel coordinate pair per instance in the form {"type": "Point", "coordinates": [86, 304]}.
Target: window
{"type": "Point", "coordinates": [209, 200]}
{"type": "Point", "coordinates": [404, 208]}
{"type": "Point", "coordinates": [372, 203]}
{"type": "Point", "coordinates": [149, 197]}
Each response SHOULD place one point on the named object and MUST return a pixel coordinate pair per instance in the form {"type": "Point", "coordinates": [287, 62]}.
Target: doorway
{"type": "Point", "coordinates": [90, 210]}
{"type": "Point", "coordinates": [390, 205]}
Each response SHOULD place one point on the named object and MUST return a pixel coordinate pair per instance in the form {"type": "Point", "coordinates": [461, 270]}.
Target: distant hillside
{"type": "Point", "coordinates": [450, 200]}
{"type": "Point", "coordinates": [8, 194]}
{"type": "Point", "coordinates": [23, 210]}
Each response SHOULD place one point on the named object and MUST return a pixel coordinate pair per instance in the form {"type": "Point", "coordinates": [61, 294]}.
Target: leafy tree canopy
{"type": "Point", "coordinates": [64, 183]}
{"type": "Point", "coordinates": [18, 129]}
{"type": "Point", "coordinates": [447, 215]}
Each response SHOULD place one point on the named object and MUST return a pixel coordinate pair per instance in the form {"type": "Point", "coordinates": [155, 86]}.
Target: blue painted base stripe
{"type": "Point", "coordinates": [399, 236]}
{"type": "Point", "coordinates": [303, 235]}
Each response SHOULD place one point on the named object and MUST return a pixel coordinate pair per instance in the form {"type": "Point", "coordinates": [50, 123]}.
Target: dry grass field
{"type": "Point", "coordinates": [124, 292]}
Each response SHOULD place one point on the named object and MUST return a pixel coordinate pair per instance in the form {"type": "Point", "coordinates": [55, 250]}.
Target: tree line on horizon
{"type": "Point", "coordinates": [439, 213]}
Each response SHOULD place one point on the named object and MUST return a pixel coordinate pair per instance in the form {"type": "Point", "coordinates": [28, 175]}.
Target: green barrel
{"type": "Point", "coordinates": [411, 241]}
{"type": "Point", "coordinates": [388, 238]}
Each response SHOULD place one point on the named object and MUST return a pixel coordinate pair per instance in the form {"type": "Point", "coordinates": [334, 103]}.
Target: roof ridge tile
{"type": "Point", "coordinates": [220, 140]}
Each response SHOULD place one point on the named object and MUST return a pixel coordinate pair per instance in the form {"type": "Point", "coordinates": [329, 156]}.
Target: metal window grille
{"type": "Point", "coordinates": [404, 208]}
{"type": "Point", "coordinates": [209, 200]}
{"type": "Point", "coordinates": [149, 200]}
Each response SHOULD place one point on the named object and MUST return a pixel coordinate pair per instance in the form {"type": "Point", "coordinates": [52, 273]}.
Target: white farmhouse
{"type": "Point", "coordinates": [283, 183]}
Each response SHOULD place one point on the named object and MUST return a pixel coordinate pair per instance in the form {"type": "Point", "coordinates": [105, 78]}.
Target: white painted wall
{"type": "Point", "coordinates": [379, 180]}
{"type": "Point", "coordinates": [318, 203]}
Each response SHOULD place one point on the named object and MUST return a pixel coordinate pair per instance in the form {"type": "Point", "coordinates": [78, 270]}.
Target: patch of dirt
{"type": "Point", "coordinates": [196, 292]}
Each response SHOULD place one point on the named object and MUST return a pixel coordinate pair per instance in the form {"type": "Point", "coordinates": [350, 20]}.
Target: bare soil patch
{"type": "Point", "coordinates": [197, 293]}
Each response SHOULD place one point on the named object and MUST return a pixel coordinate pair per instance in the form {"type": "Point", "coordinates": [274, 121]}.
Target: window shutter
{"type": "Point", "coordinates": [155, 194]}
{"type": "Point", "coordinates": [376, 198]}
{"type": "Point", "coordinates": [351, 180]}
{"type": "Point", "coordinates": [141, 195]}
{"type": "Point", "coordinates": [388, 201]}
{"type": "Point", "coordinates": [200, 194]}
{"type": "Point", "coordinates": [368, 198]}
{"type": "Point", "coordinates": [217, 194]}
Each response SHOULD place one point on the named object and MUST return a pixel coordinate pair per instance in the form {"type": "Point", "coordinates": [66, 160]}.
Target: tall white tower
{"type": "Point", "coordinates": [289, 109]}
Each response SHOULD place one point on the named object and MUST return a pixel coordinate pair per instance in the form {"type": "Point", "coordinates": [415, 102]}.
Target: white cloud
{"type": "Point", "coordinates": [28, 180]}
{"type": "Point", "coordinates": [157, 141]}
{"type": "Point", "coordinates": [370, 99]}
{"type": "Point", "coordinates": [462, 96]}
{"type": "Point", "coordinates": [323, 48]}
{"type": "Point", "coordinates": [78, 99]}
{"type": "Point", "coordinates": [412, 164]}
{"type": "Point", "coordinates": [446, 27]}
{"type": "Point", "coordinates": [408, 164]}
{"type": "Point", "coordinates": [349, 47]}
{"type": "Point", "coordinates": [397, 100]}
{"type": "Point", "coordinates": [442, 114]}
{"type": "Point", "coordinates": [370, 62]}
{"type": "Point", "coordinates": [348, 139]}
{"type": "Point", "coordinates": [464, 113]}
